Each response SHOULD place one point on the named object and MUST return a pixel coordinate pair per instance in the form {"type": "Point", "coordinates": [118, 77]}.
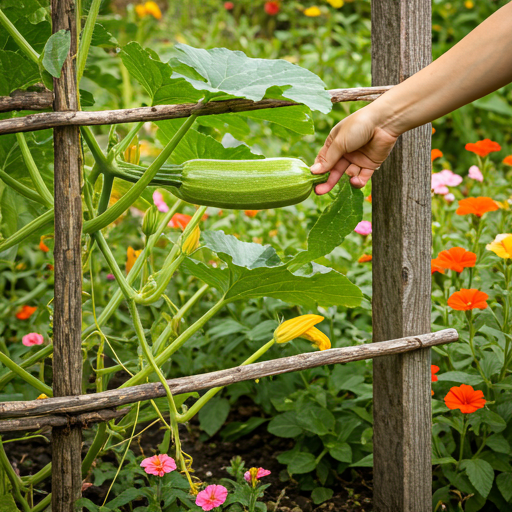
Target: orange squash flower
{"type": "Point", "coordinates": [131, 258]}
{"type": "Point", "coordinates": [435, 266]}
{"type": "Point", "coordinates": [456, 258]}
{"type": "Point", "coordinates": [251, 213]}
{"type": "Point", "coordinates": [25, 312]}
{"type": "Point", "coordinates": [465, 398]}
{"type": "Point", "coordinates": [435, 153]}
{"type": "Point", "coordinates": [433, 370]}
{"type": "Point", "coordinates": [468, 299]}
{"type": "Point", "coordinates": [483, 147]}
{"type": "Point", "coordinates": [508, 160]}
{"type": "Point", "coordinates": [365, 258]}
{"type": "Point", "coordinates": [476, 206]}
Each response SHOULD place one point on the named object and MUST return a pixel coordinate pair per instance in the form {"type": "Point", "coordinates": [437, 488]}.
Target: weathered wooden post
{"type": "Point", "coordinates": [401, 46]}
{"type": "Point", "coordinates": [67, 355]}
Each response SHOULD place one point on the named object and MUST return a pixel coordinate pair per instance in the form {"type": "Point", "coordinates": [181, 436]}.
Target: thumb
{"type": "Point", "coordinates": [330, 154]}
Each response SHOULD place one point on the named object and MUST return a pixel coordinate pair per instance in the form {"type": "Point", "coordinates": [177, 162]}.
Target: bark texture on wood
{"type": "Point", "coordinates": [26, 100]}
{"type": "Point", "coordinates": [67, 320]}
{"type": "Point", "coordinates": [36, 122]}
{"type": "Point", "coordinates": [117, 397]}
{"type": "Point", "coordinates": [401, 46]}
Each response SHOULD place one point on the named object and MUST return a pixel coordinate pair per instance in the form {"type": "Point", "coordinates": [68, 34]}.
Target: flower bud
{"type": "Point", "coordinates": [192, 241]}
{"type": "Point", "coordinates": [150, 222]}
{"type": "Point", "coordinates": [132, 153]}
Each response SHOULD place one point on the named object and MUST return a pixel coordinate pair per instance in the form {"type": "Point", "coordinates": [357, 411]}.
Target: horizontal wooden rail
{"type": "Point", "coordinates": [114, 398]}
{"type": "Point", "coordinates": [46, 120]}
{"type": "Point", "coordinates": [27, 100]}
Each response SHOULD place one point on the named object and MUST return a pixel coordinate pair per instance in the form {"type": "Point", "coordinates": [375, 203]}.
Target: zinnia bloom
{"type": "Point", "coordinates": [436, 267]}
{"type": "Point", "coordinates": [192, 241]}
{"type": "Point", "coordinates": [111, 277]}
{"type": "Point", "coordinates": [229, 6]}
{"type": "Point", "coordinates": [465, 398]}
{"type": "Point", "coordinates": [312, 12]}
{"type": "Point", "coordinates": [254, 474]}
{"type": "Point", "coordinates": [502, 246]}
{"type": "Point", "coordinates": [456, 258]}
{"type": "Point", "coordinates": [364, 228]}
{"type": "Point", "coordinates": [475, 173]}
{"type": "Point", "coordinates": [158, 465]}
{"type": "Point", "coordinates": [153, 9]}
{"type": "Point", "coordinates": [468, 299]}
{"type": "Point", "coordinates": [369, 198]}
{"type": "Point", "coordinates": [251, 213]}
{"type": "Point", "coordinates": [179, 220]}
{"type": "Point", "coordinates": [42, 245]}
{"type": "Point", "coordinates": [26, 312]}
{"type": "Point", "coordinates": [271, 8]}
{"type": "Point", "coordinates": [435, 153]}
{"type": "Point", "coordinates": [508, 160]}
{"type": "Point", "coordinates": [33, 338]}
{"type": "Point", "coordinates": [213, 496]}
{"type": "Point", "coordinates": [365, 258]}
{"type": "Point", "coordinates": [131, 258]}
{"type": "Point", "coordinates": [433, 370]}
{"type": "Point", "coordinates": [449, 198]}
{"type": "Point", "coordinates": [483, 147]}
{"type": "Point", "coordinates": [476, 206]}
{"type": "Point", "coordinates": [160, 203]}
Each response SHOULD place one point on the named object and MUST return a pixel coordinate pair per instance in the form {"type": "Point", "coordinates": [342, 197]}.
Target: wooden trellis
{"type": "Point", "coordinates": [401, 274]}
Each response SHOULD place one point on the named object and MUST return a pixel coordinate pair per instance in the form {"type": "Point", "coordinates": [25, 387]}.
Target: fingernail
{"type": "Point", "coordinates": [316, 167]}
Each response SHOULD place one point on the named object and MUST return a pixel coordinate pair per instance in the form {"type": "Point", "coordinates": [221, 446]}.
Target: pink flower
{"type": "Point", "coordinates": [32, 338]}
{"type": "Point", "coordinates": [444, 179]}
{"type": "Point", "coordinates": [213, 496]}
{"type": "Point", "coordinates": [450, 178]}
{"type": "Point", "coordinates": [158, 199]}
{"type": "Point", "coordinates": [364, 228]}
{"type": "Point", "coordinates": [475, 173]}
{"type": "Point", "coordinates": [449, 197]}
{"type": "Point", "coordinates": [259, 474]}
{"type": "Point", "coordinates": [111, 277]}
{"type": "Point", "coordinates": [158, 465]}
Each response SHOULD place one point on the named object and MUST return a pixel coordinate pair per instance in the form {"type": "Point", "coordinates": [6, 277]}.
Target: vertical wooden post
{"type": "Point", "coordinates": [67, 320]}
{"type": "Point", "coordinates": [401, 46]}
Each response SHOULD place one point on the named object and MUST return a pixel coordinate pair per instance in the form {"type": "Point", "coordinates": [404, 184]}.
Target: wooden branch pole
{"type": "Point", "coordinates": [117, 397]}
{"type": "Point", "coordinates": [67, 320]}
{"type": "Point", "coordinates": [27, 100]}
{"type": "Point", "coordinates": [47, 120]}
{"type": "Point", "coordinates": [401, 46]}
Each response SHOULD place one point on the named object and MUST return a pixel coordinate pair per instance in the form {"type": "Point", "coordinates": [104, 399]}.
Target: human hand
{"type": "Point", "coordinates": [356, 146]}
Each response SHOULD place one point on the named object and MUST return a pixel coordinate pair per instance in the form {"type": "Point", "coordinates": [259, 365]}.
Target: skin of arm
{"type": "Point", "coordinates": [476, 66]}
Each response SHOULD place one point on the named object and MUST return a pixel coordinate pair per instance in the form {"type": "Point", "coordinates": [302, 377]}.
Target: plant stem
{"type": "Point", "coordinates": [85, 41]}
{"type": "Point", "coordinates": [97, 444]}
{"type": "Point", "coordinates": [21, 189]}
{"type": "Point", "coordinates": [20, 40]}
{"type": "Point", "coordinates": [13, 478]}
{"type": "Point", "coordinates": [462, 439]}
{"type": "Point", "coordinates": [92, 144]}
{"type": "Point", "coordinates": [123, 145]}
{"type": "Point", "coordinates": [43, 504]}
{"type": "Point", "coordinates": [33, 359]}
{"type": "Point", "coordinates": [27, 230]}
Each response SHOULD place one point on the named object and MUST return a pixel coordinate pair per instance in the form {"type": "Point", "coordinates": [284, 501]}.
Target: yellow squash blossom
{"type": "Point", "coordinates": [132, 152]}
{"type": "Point", "coordinates": [302, 327]}
{"type": "Point", "coordinates": [42, 396]}
{"type": "Point", "coordinates": [192, 241]}
{"type": "Point", "coordinates": [131, 258]}
{"type": "Point", "coordinates": [318, 338]}
{"type": "Point", "coordinates": [312, 12]}
{"type": "Point", "coordinates": [337, 4]}
{"type": "Point", "coordinates": [140, 10]}
{"type": "Point", "coordinates": [502, 246]}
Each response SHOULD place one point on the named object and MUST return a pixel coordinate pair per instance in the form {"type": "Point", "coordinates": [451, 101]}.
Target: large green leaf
{"type": "Point", "coordinates": [285, 425]}
{"type": "Point", "coordinates": [504, 483]}
{"type": "Point", "coordinates": [16, 72]}
{"type": "Point", "coordinates": [334, 224]}
{"type": "Point", "coordinates": [55, 52]}
{"type": "Point", "coordinates": [318, 420]}
{"type": "Point", "coordinates": [213, 415]}
{"type": "Point", "coordinates": [480, 474]}
{"type": "Point", "coordinates": [36, 35]}
{"type": "Point", "coordinates": [102, 37]}
{"type": "Point", "coordinates": [229, 73]}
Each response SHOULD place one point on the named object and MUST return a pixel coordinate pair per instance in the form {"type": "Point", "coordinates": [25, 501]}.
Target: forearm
{"type": "Point", "coordinates": [478, 65]}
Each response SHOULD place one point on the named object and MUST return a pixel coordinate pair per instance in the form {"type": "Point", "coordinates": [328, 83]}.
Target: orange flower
{"type": "Point", "coordinates": [131, 258]}
{"type": "Point", "coordinates": [433, 370]}
{"type": "Point", "coordinates": [365, 258]}
{"type": "Point", "coordinates": [467, 299]}
{"type": "Point", "coordinates": [42, 245]}
{"type": "Point", "coordinates": [465, 398]}
{"type": "Point", "coordinates": [456, 259]}
{"type": "Point", "coordinates": [435, 153]}
{"type": "Point", "coordinates": [476, 206]}
{"type": "Point", "coordinates": [251, 213]}
{"type": "Point", "coordinates": [435, 266]}
{"type": "Point", "coordinates": [483, 147]}
{"type": "Point", "coordinates": [25, 312]}
{"type": "Point", "coordinates": [508, 160]}
{"type": "Point", "coordinates": [369, 198]}
{"type": "Point", "coordinates": [179, 220]}
{"type": "Point", "coordinates": [433, 130]}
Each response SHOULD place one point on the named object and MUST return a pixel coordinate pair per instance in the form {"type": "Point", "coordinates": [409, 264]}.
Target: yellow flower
{"type": "Point", "coordinates": [469, 4]}
{"type": "Point", "coordinates": [153, 9]}
{"type": "Point", "coordinates": [302, 327]}
{"type": "Point", "coordinates": [336, 3]}
{"type": "Point", "coordinates": [132, 153]}
{"type": "Point", "coordinates": [192, 241]}
{"type": "Point", "coordinates": [312, 12]}
{"type": "Point", "coordinates": [504, 205]}
{"type": "Point", "coordinates": [42, 396]}
{"type": "Point", "coordinates": [131, 258]}
{"type": "Point", "coordinates": [502, 246]}
{"type": "Point", "coordinates": [140, 10]}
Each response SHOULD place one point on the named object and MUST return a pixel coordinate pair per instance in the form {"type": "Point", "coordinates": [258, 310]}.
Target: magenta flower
{"type": "Point", "coordinates": [111, 277]}
{"type": "Point", "coordinates": [364, 228]}
{"type": "Point", "coordinates": [475, 173]}
{"type": "Point", "coordinates": [261, 472]}
{"type": "Point", "coordinates": [31, 339]}
{"type": "Point", "coordinates": [213, 496]}
{"type": "Point", "coordinates": [158, 199]}
{"type": "Point", "coordinates": [158, 465]}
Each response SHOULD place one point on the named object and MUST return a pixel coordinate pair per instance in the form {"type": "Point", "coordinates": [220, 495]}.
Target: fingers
{"type": "Point", "coordinates": [329, 155]}
{"type": "Point", "coordinates": [334, 176]}
{"type": "Point", "coordinates": [361, 179]}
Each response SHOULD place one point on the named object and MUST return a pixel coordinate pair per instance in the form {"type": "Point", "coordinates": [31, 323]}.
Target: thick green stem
{"type": "Point", "coordinates": [177, 343]}
{"type": "Point", "coordinates": [85, 41]}
{"type": "Point", "coordinates": [21, 189]}
{"type": "Point", "coordinates": [108, 181]}
{"type": "Point", "coordinates": [43, 504]}
{"type": "Point", "coordinates": [28, 230]}
{"type": "Point", "coordinates": [27, 377]}
{"type": "Point", "coordinates": [25, 299]}
{"type": "Point", "coordinates": [13, 478]}
{"type": "Point", "coordinates": [133, 194]}
{"type": "Point", "coordinates": [37, 180]}
{"type": "Point", "coordinates": [98, 442]}
{"type": "Point", "coordinates": [462, 439]}
{"type": "Point", "coordinates": [92, 144]}
{"type": "Point", "coordinates": [41, 475]}
{"type": "Point", "coordinates": [20, 40]}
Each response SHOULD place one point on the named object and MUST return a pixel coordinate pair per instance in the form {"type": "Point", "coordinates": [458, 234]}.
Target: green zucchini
{"type": "Point", "coordinates": [234, 184]}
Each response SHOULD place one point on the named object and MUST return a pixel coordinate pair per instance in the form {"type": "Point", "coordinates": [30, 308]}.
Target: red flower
{"type": "Point", "coordinates": [456, 259]}
{"type": "Point", "coordinates": [465, 398]}
{"type": "Point", "coordinates": [476, 206]}
{"type": "Point", "coordinates": [25, 312]}
{"type": "Point", "coordinates": [229, 6]}
{"type": "Point", "coordinates": [251, 213]}
{"type": "Point", "coordinates": [433, 370]}
{"type": "Point", "coordinates": [271, 8]}
{"type": "Point", "coordinates": [179, 220]}
{"type": "Point", "coordinates": [365, 258]}
{"type": "Point", "coordinates": [468, 299]}
{"type": "Point", "coordinates": [483, 147]}
{"type": "Point", "coordinates": [436, 267]}
{"type": "Point", "coordinates": [435, 153]}
{"type": "Point", "coordinates": [508, 160]}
